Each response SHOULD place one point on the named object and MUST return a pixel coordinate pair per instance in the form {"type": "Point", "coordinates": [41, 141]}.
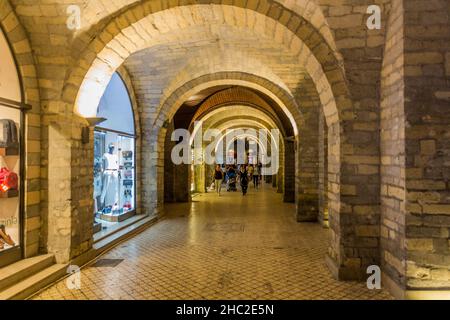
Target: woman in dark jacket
{"type": "Point", "coordinates": [243, 176]}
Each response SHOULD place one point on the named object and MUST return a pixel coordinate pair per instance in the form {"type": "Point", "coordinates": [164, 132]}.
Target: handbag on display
{"type": "Point", "coordinates": [128, 165]}
{"type": "Point", "coordinates": [127, 154]}
{"type": "Point", "coordinates": [128, 183]}
{"type": "Point", "coordinates": [127, 206]}
{"type": "Point", "coordinates": [128, 174]}
{"type": "Point", "coordinates": [8, 134]}
{"type": "Point", "coordinates": [8, 180]}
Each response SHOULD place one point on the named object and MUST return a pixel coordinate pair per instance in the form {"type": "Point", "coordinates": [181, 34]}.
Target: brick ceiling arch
{"type": "Point", "coordinates": [229, 114]}
{"type": "Point", "coordinates": [100, 14]}
{"type": "Point", "coordinates": [312, 53]}
{"type": "Point", "coordinates": [233, 130]}
{"type": "Point", "coordinates": [231, 124]}
{"type": "Point", "coordinates": [233, 95]}
{"type": "Point", "coordinates": [226, 99]}
{"type": "Point", "coordinates": [265, 86]}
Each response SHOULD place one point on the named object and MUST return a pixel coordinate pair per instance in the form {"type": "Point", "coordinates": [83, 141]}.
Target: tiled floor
{"type": "Point", "coordinates": [231, 247]}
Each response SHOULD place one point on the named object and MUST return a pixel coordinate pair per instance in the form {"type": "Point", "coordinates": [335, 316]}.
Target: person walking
{"type": "Point", "coordinates": [256, 174]}
{"type": "Point", "coordinates": [243, 176]}
{"type": "Point", "coordinates": [260, 171]}
{"type": "Point", "coordinates": [218, 179]}
{"type": "Point", "coordinates": [231, 179]}
{"type": "Point", "coordinates": [251, 169]}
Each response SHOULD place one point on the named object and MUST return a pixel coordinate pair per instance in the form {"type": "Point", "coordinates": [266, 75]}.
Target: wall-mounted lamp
{"type": "Point", "coordinates": [166, 124]}
{"type": "Point", "coordinates": [85, 132]}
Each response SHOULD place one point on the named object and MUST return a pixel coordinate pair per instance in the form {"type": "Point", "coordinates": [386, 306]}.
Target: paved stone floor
{"type": "Point", "coordinates": [231, 247]}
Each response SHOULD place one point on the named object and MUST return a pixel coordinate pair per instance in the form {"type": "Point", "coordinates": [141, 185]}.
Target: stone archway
{"type": "Point", "coordinates": [192, 87]}
{"type": "Point", "coordinates": [320, 62]}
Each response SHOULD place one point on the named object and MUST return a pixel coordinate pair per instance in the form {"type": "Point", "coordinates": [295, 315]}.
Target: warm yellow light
{"type": "Point", "coordinates": [92, 89]}
{"type": "Point", "coordinates": [428, 295]}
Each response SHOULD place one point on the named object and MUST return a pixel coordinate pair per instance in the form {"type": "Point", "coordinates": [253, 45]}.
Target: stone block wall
{"type": "Point", "coordinates": [392, 235]}
{"type": "Point", "coordinates": [427, 148]}
{"type": "Point", "coordinates": [307, 172]}
{"type": "Point", "coordinates": [415, 151]}
{"type": "Point", "coordinates": [286, 174]}
{"type": "Point", "coordinates": [355, 216]}
{"type": "Point", "coordinates": [323, 170]}
{"type": "Point", "coordinates": [169, 178]}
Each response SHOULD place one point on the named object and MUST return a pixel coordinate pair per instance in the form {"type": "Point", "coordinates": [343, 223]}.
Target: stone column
{"type": "Point", "coordinates": [289, 172]}
{"type": "Point", "coordinates": [169, 168]}
{"type": "Point", "coordinates": [415, 151]}
{"type": "Point", "coordinates": [69, 203]}
{"type": "Point", "coordinates": [323, 170]}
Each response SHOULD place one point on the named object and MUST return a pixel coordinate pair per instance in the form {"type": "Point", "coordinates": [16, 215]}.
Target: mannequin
{"type": "Point", "coordinates": [110, 194]}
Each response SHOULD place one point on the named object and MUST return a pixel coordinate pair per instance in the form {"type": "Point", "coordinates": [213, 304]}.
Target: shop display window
{"type": "Point", "coordinates": [12, 110]}
{"type": "Point", "coordinates": [9, 178]}
{"type": "Point", "coordinates": [114, 158]}
{"type": "Point", "coordinates": [114, 176]}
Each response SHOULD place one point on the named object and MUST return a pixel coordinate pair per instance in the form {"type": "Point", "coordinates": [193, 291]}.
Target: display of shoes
{"type": "Point", "coordinates": [107, 210]}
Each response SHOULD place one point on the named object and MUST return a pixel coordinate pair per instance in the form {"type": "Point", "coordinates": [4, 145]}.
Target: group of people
{"type": "Point", "coordinates": [244, 174]}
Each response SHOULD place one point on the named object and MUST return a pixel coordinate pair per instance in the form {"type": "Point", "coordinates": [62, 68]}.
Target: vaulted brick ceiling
{"type": "Point", "coordinates": [153, 70]}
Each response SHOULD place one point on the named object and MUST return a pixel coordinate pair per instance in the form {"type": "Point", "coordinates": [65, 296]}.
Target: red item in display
{"type": "Point", "coordinates": [127, 205]}
{"type": "Point", "coordinates": [8, 180]}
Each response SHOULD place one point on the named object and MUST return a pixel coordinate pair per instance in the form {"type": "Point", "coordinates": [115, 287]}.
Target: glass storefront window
{"type": "Point", "coordinates": [114, 158]}
{"type": "Point", "coordinates": [113, 175]}
{"type": "Point", "coordinates": [9, 178]}
{"type": "Point", "coordinates": [12, 111]}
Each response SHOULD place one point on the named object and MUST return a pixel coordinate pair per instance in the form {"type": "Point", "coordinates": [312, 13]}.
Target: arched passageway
{"type": "Point", "coordinates": [360, 114]}
{"type": "Point", "coordinates": [232, 247]}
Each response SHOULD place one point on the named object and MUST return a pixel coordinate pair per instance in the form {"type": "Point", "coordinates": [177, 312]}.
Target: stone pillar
{"type": "Point", "coordinates": [427, 135]}
{"type": "Point", "coordinates": [416, 152]}
{"type": "Point", "coordinates": [289, 172]}
{"type": "Point", "coordinates": [169, 168]}
{"type": "Point", "coordinates": [392, 123]}
{"type": "Point", "coordinates": [307, 172]}
{"type": "Point", "coordinates": [181, 188]}
{"type": "Point", "coordinates": [323, 170]}
{"type": "Point", "coordinates": [307, 176]}
{"type": "Point", "coordinates": [354, 184]}
{"type": "Point", "coordinates": [176, 177]}
{"type": "Point", "coordinates": [200, 180]}
{"type": "Point", "coordinates": [69, 203]}
{"type": "Point", "coordinates": [153, 164]}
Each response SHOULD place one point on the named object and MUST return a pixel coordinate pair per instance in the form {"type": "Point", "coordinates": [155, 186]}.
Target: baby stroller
{"type": "Point", "coordinates": [231, 181]}
{"type": "Point", "coordinates": [232, 184]}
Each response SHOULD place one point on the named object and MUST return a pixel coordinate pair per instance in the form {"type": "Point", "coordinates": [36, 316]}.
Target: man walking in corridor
{"type": "Point", "coordinates": [256, 173]}
{"type": "Point", "coordinates": [218, 178]}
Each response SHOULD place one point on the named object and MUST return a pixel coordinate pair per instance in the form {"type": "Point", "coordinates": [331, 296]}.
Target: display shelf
{"type": "Point", "coordinates": [9, 194]}
{"type": "Point", "coordinates": [117, 218]}
{"type": "Point", "coordinates": [97, 227]}
{"type": "Point", "coordinates": [5, 152]}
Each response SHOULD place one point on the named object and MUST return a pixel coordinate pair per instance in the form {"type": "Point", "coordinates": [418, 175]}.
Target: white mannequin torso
{"type": "Point", "coordinates": [112, 162]}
